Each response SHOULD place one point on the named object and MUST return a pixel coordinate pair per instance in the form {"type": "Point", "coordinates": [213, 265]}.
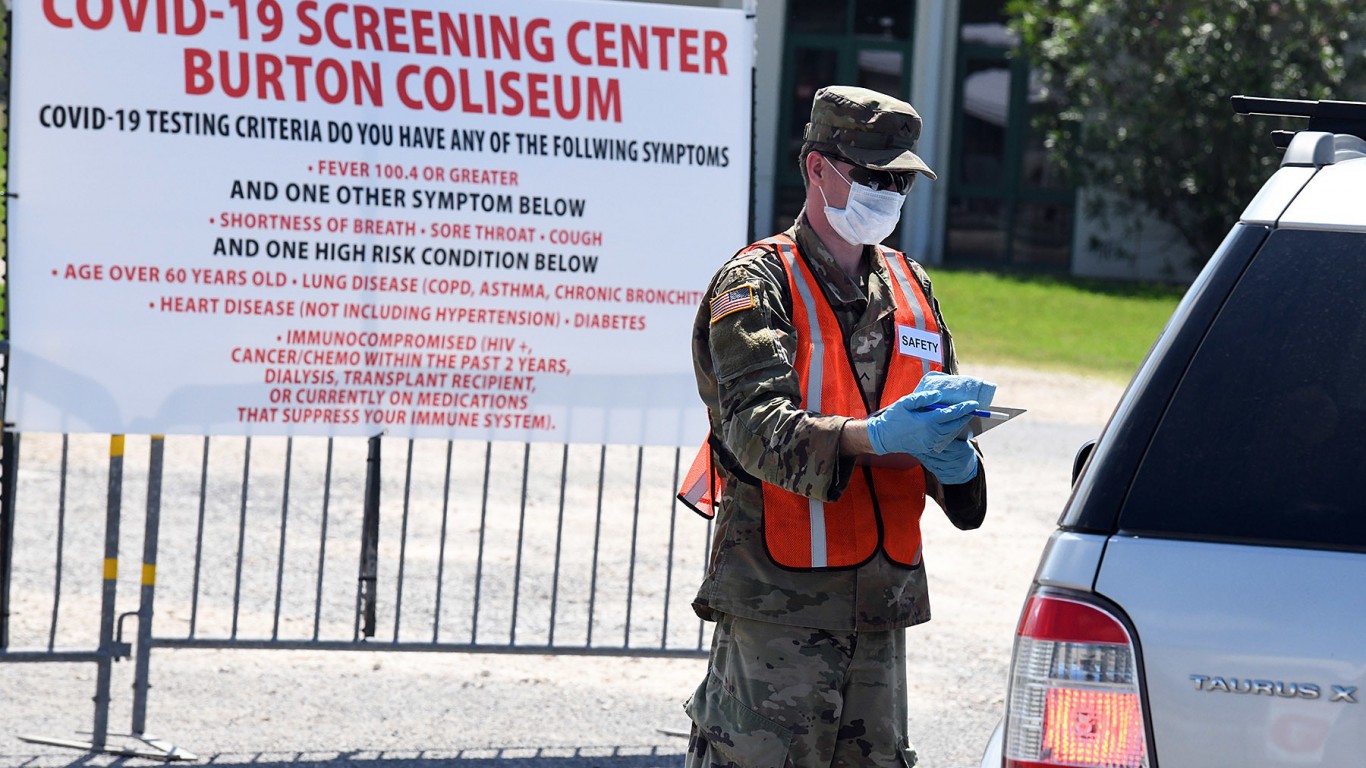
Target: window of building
{"type": "Point", "coordinates": [835, 42]}
{"type": "Point", "coordinates": [1007, 205]}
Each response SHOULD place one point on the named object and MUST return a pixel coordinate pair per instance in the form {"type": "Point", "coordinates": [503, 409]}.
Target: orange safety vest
{"type": "Point", "coordinates": [882, 504]}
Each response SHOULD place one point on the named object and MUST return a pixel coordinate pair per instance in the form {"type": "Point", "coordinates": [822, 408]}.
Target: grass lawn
{"type": "Point", "coordinates": [1093, 327]}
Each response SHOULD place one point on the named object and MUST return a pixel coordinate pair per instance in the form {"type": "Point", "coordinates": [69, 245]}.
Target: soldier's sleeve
{"type": "Point", "coordinates": [965, 504]}
{"type": "Point", "coordinates": [753, 349]}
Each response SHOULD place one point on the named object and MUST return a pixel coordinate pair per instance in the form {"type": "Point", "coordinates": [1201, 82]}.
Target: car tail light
{"type": "Point", "coordinates": [1074, 697]}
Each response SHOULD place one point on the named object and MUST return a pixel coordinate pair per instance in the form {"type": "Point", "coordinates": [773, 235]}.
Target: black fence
{"type": "Point", "coordinates": [337, 544]}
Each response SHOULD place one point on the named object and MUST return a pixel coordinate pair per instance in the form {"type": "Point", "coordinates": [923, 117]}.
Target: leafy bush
{"type": "Point", "coordinates": [1142, 89]}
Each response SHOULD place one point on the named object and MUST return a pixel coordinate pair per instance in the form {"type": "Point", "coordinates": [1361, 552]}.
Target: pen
{"type": "Point", "coordinates": [979, 413]}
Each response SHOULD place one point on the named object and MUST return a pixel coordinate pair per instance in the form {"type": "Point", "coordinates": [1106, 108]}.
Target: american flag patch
{"type": "Point", "coordinates": [733, 301]}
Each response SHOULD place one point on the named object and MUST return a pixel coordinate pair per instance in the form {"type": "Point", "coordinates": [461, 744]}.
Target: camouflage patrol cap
{"type": "Point", "coordinates": [866, 128]}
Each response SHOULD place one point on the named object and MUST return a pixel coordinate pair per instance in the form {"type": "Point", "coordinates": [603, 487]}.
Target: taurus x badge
{"type": "Point", "coordinates": [1276, 688]}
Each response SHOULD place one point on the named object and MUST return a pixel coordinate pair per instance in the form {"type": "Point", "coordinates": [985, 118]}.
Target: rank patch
{"type": "Point", "coordinates": [733, 301]}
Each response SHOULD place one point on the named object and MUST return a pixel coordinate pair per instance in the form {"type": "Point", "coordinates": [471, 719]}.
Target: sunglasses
{"type": "Point", "coordinates": [878, 180]}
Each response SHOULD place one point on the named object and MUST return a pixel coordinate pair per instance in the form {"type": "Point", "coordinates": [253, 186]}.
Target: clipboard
{"type": "Point", "coordinates": [991, 417]}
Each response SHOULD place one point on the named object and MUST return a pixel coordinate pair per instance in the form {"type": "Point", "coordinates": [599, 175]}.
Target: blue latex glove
{"type": "Point", "coordinates": [954, 465]}
{"type": "Point", "coordinates": [957, 388]}
{"type": "Point", "coordinates": [905, 427]}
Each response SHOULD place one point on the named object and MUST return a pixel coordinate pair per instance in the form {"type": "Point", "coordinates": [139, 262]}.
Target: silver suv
{"type": "Point", "coordinates": [1203, 601]}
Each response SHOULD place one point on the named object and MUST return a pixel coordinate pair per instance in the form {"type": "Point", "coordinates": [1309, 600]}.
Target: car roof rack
{"type": "Point", "coordinates": [1328, 116]}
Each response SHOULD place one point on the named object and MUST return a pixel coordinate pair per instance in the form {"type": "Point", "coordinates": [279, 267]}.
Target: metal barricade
{"type": "Point", "coordinates": [313, 543]}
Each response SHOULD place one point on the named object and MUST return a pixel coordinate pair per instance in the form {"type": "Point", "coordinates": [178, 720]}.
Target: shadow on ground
{"type": "Point", "coordinates": [558, 757]}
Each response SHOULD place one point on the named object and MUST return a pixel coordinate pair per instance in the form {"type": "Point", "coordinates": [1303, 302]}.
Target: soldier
{"type": "Point", "coordinates": [816, 566]}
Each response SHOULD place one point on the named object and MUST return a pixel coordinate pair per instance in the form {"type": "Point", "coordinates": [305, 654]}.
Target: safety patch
{"type": "Point", "coordinates": [917, 343]}
{"type": "Point", "coordinates": [733, 301]}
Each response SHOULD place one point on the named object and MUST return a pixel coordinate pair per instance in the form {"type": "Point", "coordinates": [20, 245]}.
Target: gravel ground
{"type": "Point", "coordinates": [421, 710]}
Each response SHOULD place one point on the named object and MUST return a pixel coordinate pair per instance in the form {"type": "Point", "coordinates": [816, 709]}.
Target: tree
{"type": "Point", "coordinates": [1141, 91]}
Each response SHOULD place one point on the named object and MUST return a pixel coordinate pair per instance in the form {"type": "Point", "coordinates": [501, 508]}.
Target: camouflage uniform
{"type": "Point", "coordinates": [744, 371]}
{"type": "Point", "coordinates": [778, 695]}
{"type": "Point", "coordinates": [808, 667]}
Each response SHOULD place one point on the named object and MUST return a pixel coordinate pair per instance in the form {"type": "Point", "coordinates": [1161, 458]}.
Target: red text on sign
{"type": "Point", "coordinates": [605, 44]}
{"type": "Point", "coordinates": [186, 16]}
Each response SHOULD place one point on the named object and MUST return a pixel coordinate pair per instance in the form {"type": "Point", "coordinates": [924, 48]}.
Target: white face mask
{"type": "Point", "coordinates": [869, 216]}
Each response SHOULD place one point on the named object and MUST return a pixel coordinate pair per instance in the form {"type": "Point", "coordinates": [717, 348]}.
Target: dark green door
{"type": "Point", "coordinates": [835, 42]}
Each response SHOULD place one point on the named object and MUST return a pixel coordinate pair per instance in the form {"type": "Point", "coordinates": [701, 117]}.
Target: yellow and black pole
{"type": "Point", "coordinates": [143, 654]}
{"type": "Point", "coordinates": [108, 649]}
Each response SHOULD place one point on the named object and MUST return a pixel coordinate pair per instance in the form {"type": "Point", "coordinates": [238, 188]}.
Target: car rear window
{"type": "Point", "coordinates": [1264, 440]}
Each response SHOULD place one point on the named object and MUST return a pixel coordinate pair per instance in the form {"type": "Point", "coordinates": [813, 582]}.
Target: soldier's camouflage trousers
{"type": "Point", "coordinates": [778, 696]}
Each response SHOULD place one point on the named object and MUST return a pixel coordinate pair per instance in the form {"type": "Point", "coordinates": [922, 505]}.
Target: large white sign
{"type": "Point", "coordinates": [421, 217]}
